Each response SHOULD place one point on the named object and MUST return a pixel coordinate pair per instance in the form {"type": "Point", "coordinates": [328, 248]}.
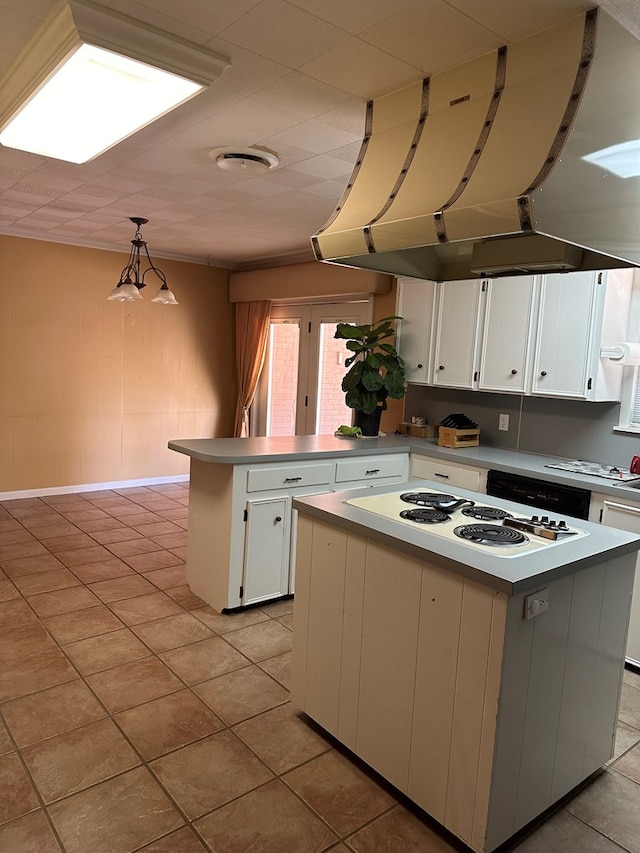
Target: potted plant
{"type": "Point", "coordinates": [376, 371]}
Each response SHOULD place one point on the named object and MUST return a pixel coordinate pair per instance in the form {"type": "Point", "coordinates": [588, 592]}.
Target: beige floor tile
{"type": "Point", "coordinates": [133, 684]}
{"type": "Point", "coordinates": [25, 675]}
{"type": "Point", "coordinates": [14, 534]}
{"type": "Point", "coordinates": [105, 651]}
{"type": "Point", "coordinates": [103, 570]}
{"type": "Point", "coordinates": [153, 560]}
{"type": "Point", "coordinates": [17, 796]}
{"type": "Point", "coordinates": [172, 631]}
{"type": "Point", "coordinates": [183, 595]}
{"type": "Point", "coordinates": [73, 761]}
{"type": "Point", "coordinates": [203, 660]}
{"type": "Point", "coordinates": [279, 668]}
{"type": "Point", "coordinates": [23, 640]}
{"type": "Point", "coordinates": [157, 528]}
{"type": "Point", "coordinates": [180, 552]}
{"type": "Point", "coordinates": [242, 694]}
{"type": "Point", "coordinates": [102, 524]}
{"type": "Point", "coordinates": [340, 792]}
{"type": "Point", "coordinates": [121, 588]}
{"type": "Point", "coordinates": [630, 705]}
{"type": "Point", "coordinates": [20, 550]}
{"type": "Point", "coordinates": [282, 737]}
{"type": "Point", "coordinates": [169, 577]}
{"type": "Point", "coordinates": [175, 515]}
{"type": "Point", "coordinates": [182, 841]}
{"type": "Point", "coordinates": [563, 833]}
{"type": "Point", "coordinates": [222, 623]}
{"type": "Point", "coordinates": [89, 513]}
{"type": "Point", "coordinates": [45, 581]}
{"type": "Point", "coordinates": [51, 527]}
{"type": "Point", "coordinates": [15, 612]}
{"type": "Point", "coordinates": [5, 741]}
{"type": "Point", "coordinates": [269, 819]}
{"type": "Point", "coordinates": [67, 543]}
{"type": "Point", "coordinates": [168, 723]}
{"type": "Point", "coordinates": [262, 641]}
{"type": "Point", "coordinates": [116, 816]}
{"type": "Point", "coordinates": [28, 834]}
{"type": "Point", "coordinates": [63, 601]}
{"type": "Point", "coordinates": [629, 765]}
{"type": "Point", "coordinates": [69, 627]}
{"type": "Point", "coordinates": [143, 608]}
{"type": "Point", "coordinates": [117, 534]}
{"type": "Point", "coordinates": [398, 831]}
{"type": "Point", "coordinates": [626, 737]}
{"type": "Point", "coordinates": [31, 565]}
{"type": "Point", "coordinates": [209, 773]}
{"type": "Point", "coordinates": [82, 556]}
{"type": "Point", "coordinates": [283, 607]}
{"type": "Point", "coordinates": [8, 591]}
{"type": "Point", "coordinates": [171, 540]}
{"type": "Point", "coordinates": [286, 620]}
{"type": "Point", "coordinates": [51, 712]}
{"type": "Point", "coordinates": [632, 678]}
{"type": "Point", "coordinates": [127, 547]}
{"type": "Point", "coordinates": [610, 805]}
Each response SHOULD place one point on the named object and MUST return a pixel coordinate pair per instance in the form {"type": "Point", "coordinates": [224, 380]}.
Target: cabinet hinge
{"type": "Point", "coordinates": [244, 517]}
{"type": "Point", "coordinates": [241, 591]}
{"type": "Point", "coordinates": [599, 278]}
{"type": "Point", "coordinates": [589, 383]}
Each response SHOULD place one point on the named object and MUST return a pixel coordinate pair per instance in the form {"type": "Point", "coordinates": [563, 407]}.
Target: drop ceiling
{"type": "Point", "coordinates": [300, 74]}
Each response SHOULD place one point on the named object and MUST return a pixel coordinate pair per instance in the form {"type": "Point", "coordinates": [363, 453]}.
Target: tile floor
{"type": "Point", "coordinates": [134, 717]}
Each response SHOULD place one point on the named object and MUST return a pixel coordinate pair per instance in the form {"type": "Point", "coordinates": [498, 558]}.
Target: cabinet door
{"type": "Point", "coordinates": [414, 342]}
{"type": "Point", "coordinates": [457, 334]}
{"type": "Point", "coordinates": [565, 330]}
{"type": "Point", "coordinates": [626, 517]}
{"type": "Point", "coordinates": [507, 333]}
{"type": "Point", "coordinates": [423, 468]}
{"type": "Point", "coordinates": [266, 554]}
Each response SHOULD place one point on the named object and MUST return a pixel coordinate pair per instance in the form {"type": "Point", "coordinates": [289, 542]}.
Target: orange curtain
{"type": "Point", "coordinates": [252, 331]}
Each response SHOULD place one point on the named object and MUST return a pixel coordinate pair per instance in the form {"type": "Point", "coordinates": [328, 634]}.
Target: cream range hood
{"type": "Point", "coordinates": [524, 160]}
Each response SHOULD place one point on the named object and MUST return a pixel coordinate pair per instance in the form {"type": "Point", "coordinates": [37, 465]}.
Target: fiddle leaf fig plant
{"type": "Point", "coordinates": [376, 371]}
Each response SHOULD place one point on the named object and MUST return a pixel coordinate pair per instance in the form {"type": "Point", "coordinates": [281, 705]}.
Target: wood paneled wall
{"type": "Point", "coordinates": [91, 391]}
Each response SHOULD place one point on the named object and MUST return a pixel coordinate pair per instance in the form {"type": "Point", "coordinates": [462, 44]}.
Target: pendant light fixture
{"type": "Point", "coordinates": [132, 280]}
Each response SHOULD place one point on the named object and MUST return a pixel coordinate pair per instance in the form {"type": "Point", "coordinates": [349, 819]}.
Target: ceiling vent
{"type": "Point", "coordinates": [248, 161]}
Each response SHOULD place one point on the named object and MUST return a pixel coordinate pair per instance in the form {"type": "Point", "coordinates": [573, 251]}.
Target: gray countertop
{"type": "Point", "coordinates": [244, 451]}
{"type": "Point", "coordinates": [512, 575]}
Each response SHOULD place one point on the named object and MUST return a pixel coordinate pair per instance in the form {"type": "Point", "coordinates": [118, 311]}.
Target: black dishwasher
{"type": "Point", "coordinates": [554, 497]}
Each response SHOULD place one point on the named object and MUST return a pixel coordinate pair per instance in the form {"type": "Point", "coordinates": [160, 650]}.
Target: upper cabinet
{"type": "Point", "coordinates": [415, 304]}
{"type": "Point", "coordinates": [534, 335]}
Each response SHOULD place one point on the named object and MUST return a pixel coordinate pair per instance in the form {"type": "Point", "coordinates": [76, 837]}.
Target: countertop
{"type": "Point", "coordinates": [513, 574]}
{"type": "Point", "coordinates": [245, 451]}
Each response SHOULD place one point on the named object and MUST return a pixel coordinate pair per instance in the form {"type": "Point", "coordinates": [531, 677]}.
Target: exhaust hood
{"type": "Point", "coordinates": [524, 160]}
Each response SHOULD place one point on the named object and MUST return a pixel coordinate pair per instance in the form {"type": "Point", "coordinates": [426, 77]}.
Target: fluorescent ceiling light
{"type": "Point", "coordinates": [91, 77]}
{"type": "Point", "coordinates": [622, 159]}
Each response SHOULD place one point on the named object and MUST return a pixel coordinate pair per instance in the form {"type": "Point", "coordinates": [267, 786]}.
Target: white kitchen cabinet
{"type": "Point", "coordinates": [624, 516]}
{"type": "Point", "coordinates": [415, 303]}
{"type": "Point", "coordinates": [242, 530]}
{"type": "Point", "coordinates": [458, 330]}
{"type": "Point", "coordinates": [579, 313]}
{"type": "Point", "coordinates": [508, 329]}
{"type": "Point", "coordinates": [448, 473]}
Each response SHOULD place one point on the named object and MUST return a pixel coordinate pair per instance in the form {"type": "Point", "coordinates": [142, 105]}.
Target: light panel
{"type": "Point", "coordinates": [90, 77]}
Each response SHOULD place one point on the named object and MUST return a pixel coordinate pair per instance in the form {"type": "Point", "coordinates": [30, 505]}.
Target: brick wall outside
{"type": "Point", "coordinates": [283, 378]}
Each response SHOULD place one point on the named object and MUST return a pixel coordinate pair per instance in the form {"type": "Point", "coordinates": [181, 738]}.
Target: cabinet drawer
{"type": "Point", "coordinates": [451, 475]}
{"type": "Point", "coordinates": [262, 479]}
{"type": "Point", "coordinates": [370, 468]}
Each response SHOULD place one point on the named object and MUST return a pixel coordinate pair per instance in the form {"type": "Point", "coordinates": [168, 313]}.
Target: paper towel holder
{"type": "Point", "coordinates": [625, 353]}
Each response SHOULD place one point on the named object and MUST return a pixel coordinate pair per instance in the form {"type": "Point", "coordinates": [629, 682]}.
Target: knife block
{"type": "Point", "coordinates": [450, 437]}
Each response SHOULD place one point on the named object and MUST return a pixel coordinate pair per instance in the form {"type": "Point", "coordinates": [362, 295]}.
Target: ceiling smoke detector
{"type": "Point", "coordinates": [248, 161]}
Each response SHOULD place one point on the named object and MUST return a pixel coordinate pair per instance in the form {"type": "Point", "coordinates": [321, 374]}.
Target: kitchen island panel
{"type": "Point", "coordinates": [352, 641]}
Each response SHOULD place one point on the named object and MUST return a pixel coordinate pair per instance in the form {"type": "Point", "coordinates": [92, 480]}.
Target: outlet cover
{"type": "Point", "coordinates": [503, 423]}
{"type": "Point", "coordinates": [536, 603]}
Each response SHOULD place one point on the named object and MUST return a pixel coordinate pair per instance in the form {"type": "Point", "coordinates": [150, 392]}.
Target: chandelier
{"type": "Point", "coordinates": [132, 281]}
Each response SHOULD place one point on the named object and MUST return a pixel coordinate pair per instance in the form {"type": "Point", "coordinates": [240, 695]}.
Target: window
{"type": "Point", "coordinates": [299, 391]}
{"type": "Point", "coordinates": [630, 392]}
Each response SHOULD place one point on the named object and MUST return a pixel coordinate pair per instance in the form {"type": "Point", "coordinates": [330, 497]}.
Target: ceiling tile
{"type": "Point", "coordinates": [353, 17]}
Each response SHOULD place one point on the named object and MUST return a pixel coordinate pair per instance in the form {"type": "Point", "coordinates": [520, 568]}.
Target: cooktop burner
{"type": "Point", "coordinates": [426, 498]}
{"type": "Point", "coordinates": [485, 513]}
{"type": "Point", "coordinates": [490, 534]}
{"type": "Point", "coordinates": [429, 515]}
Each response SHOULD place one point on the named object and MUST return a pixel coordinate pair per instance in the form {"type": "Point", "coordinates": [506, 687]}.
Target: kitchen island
{"type": "Point", "coordinates": [485, 687]}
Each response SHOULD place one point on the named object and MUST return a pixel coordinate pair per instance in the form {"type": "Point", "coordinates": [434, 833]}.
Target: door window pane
{"type": "Point", "coordinates": [331, 410]}
{"type": "Point", "coordinates": [284, 347]}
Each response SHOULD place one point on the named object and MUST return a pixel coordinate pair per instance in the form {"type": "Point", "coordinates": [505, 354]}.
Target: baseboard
{"type": "Point", "coordinates": [91, 487]}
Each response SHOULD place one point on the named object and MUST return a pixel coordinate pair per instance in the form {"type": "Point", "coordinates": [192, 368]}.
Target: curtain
{"type": "Point", "coordinates": [252, 332]}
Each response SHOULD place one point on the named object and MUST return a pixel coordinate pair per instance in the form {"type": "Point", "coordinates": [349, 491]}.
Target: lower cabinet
{"type": "Point", "coordinates": [623, 516]}
{"type": "Point", "coordinates": [266, 549]}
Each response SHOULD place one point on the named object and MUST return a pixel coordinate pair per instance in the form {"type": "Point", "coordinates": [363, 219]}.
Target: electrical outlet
{"type": "Point", "coordinates": [503, 423]}
{"type": "Point", "coordinates": [536, 603]}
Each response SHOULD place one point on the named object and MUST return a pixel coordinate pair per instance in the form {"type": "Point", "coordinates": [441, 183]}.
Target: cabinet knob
{"type": "Point", "coordinates": [419, 367]}
{"type": "Point", "coordinates": [543, 373]}
{"type": "Point", "coordinates": [513, 372]}
{"type": "Point", "coordinates": [441, 367]}
{"type": "Point", "coordinates": [278, 518]}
